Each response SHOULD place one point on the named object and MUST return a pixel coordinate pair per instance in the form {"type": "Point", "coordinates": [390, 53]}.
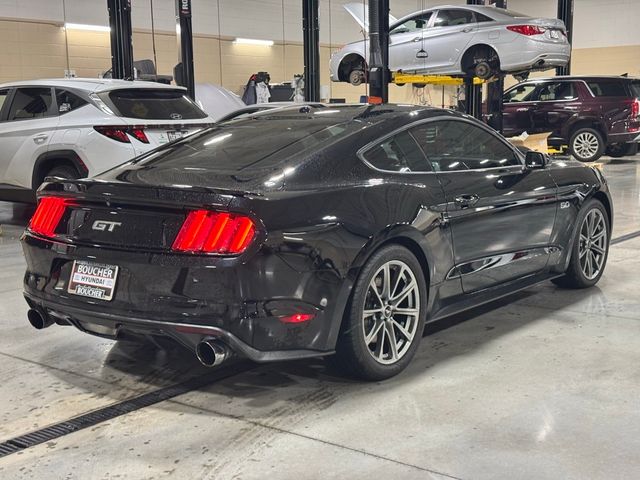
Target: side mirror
{"type": "Point", "coordinates": [535, 160]}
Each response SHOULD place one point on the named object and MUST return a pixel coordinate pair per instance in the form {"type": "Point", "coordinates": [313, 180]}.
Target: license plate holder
{"type": "Point", "coordinates": [175, 135]}
{"type": "Point", "coordinates": [92, 280]}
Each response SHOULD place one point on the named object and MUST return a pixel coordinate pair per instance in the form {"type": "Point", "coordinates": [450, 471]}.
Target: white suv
{"type": "Point", "coordinates": [81, 127]}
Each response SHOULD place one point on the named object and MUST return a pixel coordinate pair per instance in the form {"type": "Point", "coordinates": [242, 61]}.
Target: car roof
{"type": "Point", "coordinates": [489, 10]}
{"type": "Point", "coordinates": [90, 84]}
{"type": "Point", "coordinates": [580, 77]}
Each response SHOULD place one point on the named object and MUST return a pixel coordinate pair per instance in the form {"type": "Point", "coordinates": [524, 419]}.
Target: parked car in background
{"type": "Point", "coordinates": [455, 40]}
{"type": "Point", "coordinates": [588, 115]}
{"type": "Point", "coordinates": [75, 128]}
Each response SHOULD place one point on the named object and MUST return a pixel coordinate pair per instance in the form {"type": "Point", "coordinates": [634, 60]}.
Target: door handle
{"type": "Point", "coordinates": [40, 139]}
{"type": "Point", "coordinates": [467, 30]}
{"type": "Point", "coordinates": [417, 39]}
{"type": "Point", "coordinates": [466, 200]}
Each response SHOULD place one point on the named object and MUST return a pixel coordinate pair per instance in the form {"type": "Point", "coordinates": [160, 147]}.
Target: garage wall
{"type": "Point", "coordinates": [35, 45]}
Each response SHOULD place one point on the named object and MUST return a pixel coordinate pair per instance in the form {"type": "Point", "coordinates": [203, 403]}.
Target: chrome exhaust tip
{"type": "Point", "coordinates": [211, 352]}
{"type": "Point", "coordinates": [39, 319]}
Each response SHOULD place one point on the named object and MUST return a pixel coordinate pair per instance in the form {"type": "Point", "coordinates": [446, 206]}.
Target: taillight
{"type": "Point", "coordinates": [527, 30]}
{"type": "Point", "coordinates": [121, 134]}
{"type": "Point", "coordinates": [635, 108]}
{"type": "Point", "coordinates": [48, 215]}
{"type": "Point", "coordinates": [138, 134]}
{"type": "Point", "coordinates": [204, 231]}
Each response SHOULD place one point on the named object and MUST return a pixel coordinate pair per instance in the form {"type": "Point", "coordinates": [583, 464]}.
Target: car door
{"type": "Point", "coordinates": [26, 133]}
{"type": "Point", "coordinates": [501, 214]}
{"type": "Point", "coordinates": [447, 39]}
{"type": "Point", "coordinates": [405, 43]}
{"type": "Point", "coordinates": [556, 103]}
{"type": "Point", "coordinates": [517, 106]}
{"type": "Point", "coordinates": [5, 158]}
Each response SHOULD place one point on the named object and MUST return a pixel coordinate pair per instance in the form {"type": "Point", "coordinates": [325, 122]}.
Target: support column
{"type": "Point", "coordinates": [121, 39]}
{"type": "Point", "coordinates": [311, 38]}
{"type": "Point", "coordinates": [473, 98]}
{"type": "Point", "coordinates": [379, 74]}
{"type": "Point", "coordinates": [565, 13]}
{"type": "Point", "coordinates": [184, 32]}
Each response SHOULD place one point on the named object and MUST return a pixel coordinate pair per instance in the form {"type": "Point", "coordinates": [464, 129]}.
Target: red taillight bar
{"type": "Point", "coordinates": [48, 215]}
{"type": "Point", "coordinates": [205, 231]}
{"type": "Point", "coordinates": [121, 133]}
{"type": "Point", "coordinates": [635, 108]}
{"type": "Point", "coordinates": [528, 30]}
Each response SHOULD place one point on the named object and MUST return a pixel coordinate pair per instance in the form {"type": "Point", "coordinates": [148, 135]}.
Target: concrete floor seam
{"type": "Point", "coordinates": [315, 439]}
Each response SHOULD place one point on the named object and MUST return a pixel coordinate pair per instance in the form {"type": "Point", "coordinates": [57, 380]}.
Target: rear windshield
{"type": "Point", "coordinates": [635, 88]}
{"type": "Point", "coordinates": [245, 144]}
{"type": "Point", "coordinates": [150, 104]}
{"type": "Point", "coordinates": [608, 88]}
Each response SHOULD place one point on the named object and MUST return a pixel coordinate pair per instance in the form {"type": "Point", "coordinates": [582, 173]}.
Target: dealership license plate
{"type": "Point", "coordinates": [175, 135]}
{"type": "Point", "coordinates": [93, 280]}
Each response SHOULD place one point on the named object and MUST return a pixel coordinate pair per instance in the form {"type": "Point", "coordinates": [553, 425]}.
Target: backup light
{"type": "Point", "coordinates": [253, 41]}
{"type": "Point", "coordinates": [528, 30]}
{"type": "Point", "coordinates": [82, 26]}
{"type": "Point", "coordinates": [48, 215]}
{"type": "Point", "coordinates": [205, 231]}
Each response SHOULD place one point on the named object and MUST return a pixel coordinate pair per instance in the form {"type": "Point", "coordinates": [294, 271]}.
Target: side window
{"type": "Point", "coordinates": [453, 145]}
{"type": "Point", "coordinates": [452, 18]}
{"type": "Point", "coordinates": [68, 101]}
{"type": "Point", "coordinates": [30, 103]}
{"type": "Point", "coordinates": [520, 93]}
{"type": "Point", "coordinates": [414, 24]}
{"type": "Point", "coordinates": [554, 91]}
{"type": "Point", "coordinates": [480, 18]}
{"type": "Point", "coordinates": [4, 94]}
{"type": "Point", "coordinates": [399, 153]}
{"type": "Point", "coordinates": [605, 88]}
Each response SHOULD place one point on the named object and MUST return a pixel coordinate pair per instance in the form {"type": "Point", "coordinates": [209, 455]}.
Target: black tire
{"type": "Point", "coordinates": [63, 171]}
{"type": "Point", "coordinates": [575, 276]}
{"type": "Point", "coordinates": [353, 355]}
{"type": "Point", "coordinates": [619, 150]}
{"type": "Point", "coordinates": [586, 144]}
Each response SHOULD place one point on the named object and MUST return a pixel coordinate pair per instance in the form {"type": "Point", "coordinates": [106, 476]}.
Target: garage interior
{"type": "Point", "coordinates": [540, 384]}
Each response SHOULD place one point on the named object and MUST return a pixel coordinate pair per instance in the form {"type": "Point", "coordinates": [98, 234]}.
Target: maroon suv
{"type": "Point", "coordinates": [588, 116]}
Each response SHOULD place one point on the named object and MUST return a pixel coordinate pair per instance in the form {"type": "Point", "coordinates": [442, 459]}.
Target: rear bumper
{"type": "Point", "coordinates": [633, 137]}
{"type": "Point", "coordinates": [114, 325]}
{"type": "Point", "coordinates": [242, 302]}
{"type": "Point", "coordinates": [532, 54]}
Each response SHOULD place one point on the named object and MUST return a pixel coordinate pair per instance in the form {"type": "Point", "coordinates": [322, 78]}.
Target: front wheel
{"type": "Point", "coordinates": [384, 322]}
{"type": "Point", "coordinates": [586, 144]}
{"type": "Point", "coordinates": [590, 248]}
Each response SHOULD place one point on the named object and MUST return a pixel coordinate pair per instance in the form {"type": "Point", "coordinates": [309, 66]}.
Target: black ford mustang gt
{"type": "Point", "coordinates": [307, 232]}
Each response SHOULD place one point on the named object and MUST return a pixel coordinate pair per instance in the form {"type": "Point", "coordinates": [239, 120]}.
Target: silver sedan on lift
{"type": "Point", "coordinates": [459, 40]}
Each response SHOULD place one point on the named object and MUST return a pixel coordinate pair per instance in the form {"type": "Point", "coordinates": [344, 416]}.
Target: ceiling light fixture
{"type": "Point", "coordinates": [253, 41]}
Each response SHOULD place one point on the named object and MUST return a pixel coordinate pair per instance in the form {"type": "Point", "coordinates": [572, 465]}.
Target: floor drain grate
{"type": "Point", "coordinates": [90, 419]}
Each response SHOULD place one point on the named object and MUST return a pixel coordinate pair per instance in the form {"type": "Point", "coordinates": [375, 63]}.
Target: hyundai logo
{"type": "Point", "coordinates": [104, 225]}
{"type": "Point", "coordinates": [176, 116]}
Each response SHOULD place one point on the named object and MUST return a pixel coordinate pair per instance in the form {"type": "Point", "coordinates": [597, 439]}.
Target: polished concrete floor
{"type": "Point", "coordinates": [543, 385]}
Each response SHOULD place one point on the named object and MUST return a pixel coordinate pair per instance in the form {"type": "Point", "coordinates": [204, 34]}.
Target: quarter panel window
{"type": "Point", "coordinates": [30, 103]}
{"type": "Point", "coordinates": [67, 101]}
{"type": "Point", "coordinates": [399, 153]}
{"type": "Point", "coordinates": [520, 93]}
{"type": "Point", "coordinates": [452, 18]}
{"type": "Point", "coordinates": [456, 145]}
{"type": "Point", "coordinates": [4, 94]}
{"type": "Point", "coordinates": [607, 88]}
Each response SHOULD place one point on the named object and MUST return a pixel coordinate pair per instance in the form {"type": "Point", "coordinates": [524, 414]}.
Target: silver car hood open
{"type": "Point", "coordinates": [360, 14]}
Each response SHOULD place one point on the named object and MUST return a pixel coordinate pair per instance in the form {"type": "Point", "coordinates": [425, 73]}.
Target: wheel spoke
{"type": "Point", "coordinates": [386, 281]}
{"type": "Point", "coordinates": [412, 312]}
{"type": "Point", "coordinates": [402, 295]}
{"type": "Point", "coordinates": [393, 344]}
{"type": "Point", "coordinates": [599, 235]}
{"type": "Point", "coordinates": [589, 265]}
{"type": "Point", "coordinates": [597, 249]}
{"type": "Point", "coordinates": [379, 353]}
{"type": "Point", "coordinates": [372, 286]}
{"type": "Point", "coordinates": [373, 334]}
{"type": "Point", "coordinates": [405, 333]}
{"type": "Point", "coordinates": [397, 282]}
{"type": "Point", "coordinates": [368, 313]}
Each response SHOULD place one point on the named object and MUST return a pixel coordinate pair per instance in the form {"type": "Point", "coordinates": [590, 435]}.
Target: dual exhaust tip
{"type": "Point", "coordinates": [210, 351]}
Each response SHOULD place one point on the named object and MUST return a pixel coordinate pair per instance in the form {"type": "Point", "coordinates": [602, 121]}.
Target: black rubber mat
{"type": "Point", "coordinates": [90, 419]}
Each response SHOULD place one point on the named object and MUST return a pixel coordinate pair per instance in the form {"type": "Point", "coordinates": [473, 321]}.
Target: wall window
{"type": "Point", "coordinates": [399, 153]}
{"type": "Point", "coordinates": [456, 145]}
{"type": "Point", "coordinates": [30, 103]}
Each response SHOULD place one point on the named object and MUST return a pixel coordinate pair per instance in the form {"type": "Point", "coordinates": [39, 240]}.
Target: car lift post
{"type": "Point", "coordinates": [311, 39]}
{"type": "Point", "coordinates": [379, 74]}
{"type": "Point", "coordinates": [121, 39]}
{"type": "Point", "coordinates": [472, 92]}
{"type": "Point", "coordinates": [185, 45]}
{"type": "Point", "coordinates": [565, 13]}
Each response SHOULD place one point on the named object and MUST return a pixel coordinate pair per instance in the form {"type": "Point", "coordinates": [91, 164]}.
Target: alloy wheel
{"type": "Point", "coordinates": [391, 312]}
{"type": "Point", "coordinates": [586, 145]}
{"type": "Point", "coordinates": [593, 244]}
